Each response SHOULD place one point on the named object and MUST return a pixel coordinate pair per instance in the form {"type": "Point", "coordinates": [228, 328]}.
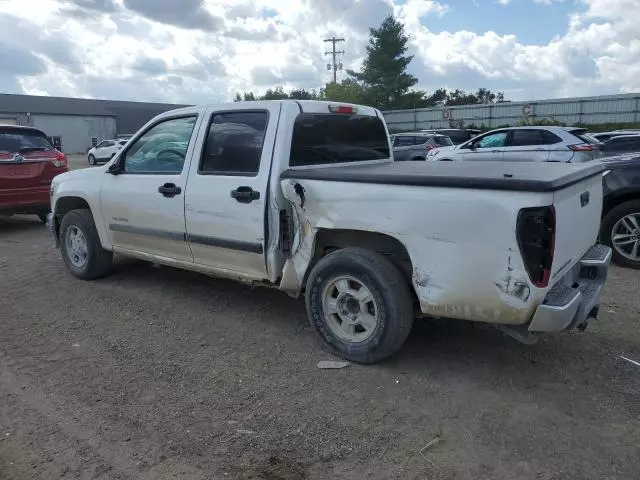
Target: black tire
{"type": "Point", "coordinates": [606, 230]}
{"type": "Point", "coordinates": [92, 160]}
{"type": "Point", "coordinates": [390, 291]}
{"type": "Point", "coordinates": [99, 260]}
{"type": "Point", "coordinates": [43, 216]}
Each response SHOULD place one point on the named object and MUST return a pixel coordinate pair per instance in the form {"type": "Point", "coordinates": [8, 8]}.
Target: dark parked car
{"type": "Point", "coordinates": [621, 144]}
{"type": "Point", "coordinates": [415, 146]}
{"type": "Point", "coordinates": [620, 228]}
{"type": "Point", "coordinates": [457, 135]}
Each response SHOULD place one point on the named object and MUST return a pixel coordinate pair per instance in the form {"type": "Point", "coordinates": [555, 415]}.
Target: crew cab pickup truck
{"type": "Point", "coordinates": [305, 197]}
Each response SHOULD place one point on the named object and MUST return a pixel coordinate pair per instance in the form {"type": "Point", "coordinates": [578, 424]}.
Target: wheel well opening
{"type": "Point", "coordinates": [327, 241]}
{"type": "Point", "coordinates": [65, 205]}
{"type": "Point", "coordinates": [611, 203]}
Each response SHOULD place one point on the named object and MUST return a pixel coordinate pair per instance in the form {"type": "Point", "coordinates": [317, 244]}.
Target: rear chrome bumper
{"type": "Point", "coordinates": [51, 227]}
{"type": "Point", "coordinates": [575, 299]}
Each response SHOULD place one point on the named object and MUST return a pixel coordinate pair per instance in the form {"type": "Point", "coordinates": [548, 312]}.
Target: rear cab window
{"type": "Point", "coordinates": [325, 139]}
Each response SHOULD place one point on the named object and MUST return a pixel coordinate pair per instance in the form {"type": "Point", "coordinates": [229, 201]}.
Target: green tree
{"type": "Point", "coordinates": [246, 97]}
{"type": "Point", "coordinates": [383, 76]}
{"type": "Point", "coordinates": [277, 93]}
{"type": "Point", "coordinates": [348, 91]}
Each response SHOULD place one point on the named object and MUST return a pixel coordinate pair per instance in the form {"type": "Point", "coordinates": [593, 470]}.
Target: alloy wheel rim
{"type": "Point", "coordinates": [625, 236]}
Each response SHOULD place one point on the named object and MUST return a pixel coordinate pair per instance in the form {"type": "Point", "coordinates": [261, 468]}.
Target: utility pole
{"type": "Point", "coordinates": [333, 52]}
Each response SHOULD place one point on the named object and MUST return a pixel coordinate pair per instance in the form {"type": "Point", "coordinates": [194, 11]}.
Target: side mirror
{"type": "Point", "coordinates": [114, 168]}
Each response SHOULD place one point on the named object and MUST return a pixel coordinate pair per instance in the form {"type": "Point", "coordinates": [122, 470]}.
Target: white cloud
{"type": "Point", "coordinates": [206, 50]}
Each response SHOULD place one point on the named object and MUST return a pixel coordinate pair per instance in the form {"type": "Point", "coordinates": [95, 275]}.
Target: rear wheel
{"type": "Point", "coordinates": [621, 231]}
{"type": "Point", "coordinates": [359, 304]}
{"type": "Point", "coordinates": [92, 160]}
{"type": "Point", "coordinates": [80, 245]}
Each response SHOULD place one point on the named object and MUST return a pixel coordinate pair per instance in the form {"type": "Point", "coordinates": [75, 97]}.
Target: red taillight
{"type": "Point", "coordinates": [581, 148]}
{"type": "Point", "coordinates": [60, 161]}
{"type": "Point", "coordinates": [536, 233]}
{"type": "Point", "coordinates": [342, 109]}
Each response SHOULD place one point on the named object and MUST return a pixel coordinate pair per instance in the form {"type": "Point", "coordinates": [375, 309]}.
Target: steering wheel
{"type": "Point", "coordinates": [173, 151]}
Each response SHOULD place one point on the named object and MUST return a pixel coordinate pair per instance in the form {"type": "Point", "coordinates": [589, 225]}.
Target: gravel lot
{"type": "Point", "coordinates": [155, 373]}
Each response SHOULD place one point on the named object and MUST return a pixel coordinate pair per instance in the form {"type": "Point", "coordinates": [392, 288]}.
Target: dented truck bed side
{"type": "Point", "coordinates": [460, 234]}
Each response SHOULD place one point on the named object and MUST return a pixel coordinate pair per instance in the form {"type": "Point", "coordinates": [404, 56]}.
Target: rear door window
{"type": "Point", "coordinates": [234, 144]}
{"type": "Point", "coordinates": [322, 139]}
{"type": "Point", "coordinates": [523, 138]}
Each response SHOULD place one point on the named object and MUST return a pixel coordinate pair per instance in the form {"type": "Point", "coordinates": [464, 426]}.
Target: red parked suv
{"type": "Point", "coordinates": [28, 163]}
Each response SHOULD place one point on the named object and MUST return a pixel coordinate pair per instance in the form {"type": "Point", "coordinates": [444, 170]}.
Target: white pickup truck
{"type": "Point", "coordinates": [305, 197]}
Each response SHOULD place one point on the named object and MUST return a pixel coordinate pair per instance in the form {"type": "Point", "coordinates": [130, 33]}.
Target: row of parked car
{"type": "Point", "coordinates": [518, 144]}
{"type": "Point", "coordinates": [620, 150]}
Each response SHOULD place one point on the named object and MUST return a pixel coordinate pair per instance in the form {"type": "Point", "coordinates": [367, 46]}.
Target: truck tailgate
{"type": "Point", "coordinates": [578, 208]}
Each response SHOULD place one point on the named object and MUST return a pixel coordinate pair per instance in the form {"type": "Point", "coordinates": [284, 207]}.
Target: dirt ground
{"type": "Point", "coordinates": [154, 373]}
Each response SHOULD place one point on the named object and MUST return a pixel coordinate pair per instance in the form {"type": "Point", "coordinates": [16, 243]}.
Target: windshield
{"type": "Point", "coordinates": [18, 140]}
{"type": "Point", "coordinates": [320, 139]}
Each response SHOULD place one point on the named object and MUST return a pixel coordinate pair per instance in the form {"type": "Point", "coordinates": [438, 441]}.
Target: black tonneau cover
{"type": "Point", "coordinates": [518, 176]}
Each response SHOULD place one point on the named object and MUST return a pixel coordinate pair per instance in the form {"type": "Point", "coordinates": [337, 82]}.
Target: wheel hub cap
{"type": "Point", "coordinates": [76, 244]}
{"type": "Point", "coordinates": [350, 309]}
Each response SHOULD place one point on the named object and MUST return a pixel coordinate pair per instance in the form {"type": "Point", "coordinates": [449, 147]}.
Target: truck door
{"type": "Point", "coordinates": [227, 191]}
{"type": "Point", "coordinates": [143, 202]}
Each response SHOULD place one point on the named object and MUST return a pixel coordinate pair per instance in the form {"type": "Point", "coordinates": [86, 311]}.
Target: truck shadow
{"type": "Point", "coordinates": [443, 344]}
{"type": "Point", "coordinates": [19, 223]}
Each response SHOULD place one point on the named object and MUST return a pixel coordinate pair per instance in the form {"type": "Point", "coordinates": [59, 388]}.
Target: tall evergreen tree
{"type": "Point", "coordinates": [383, 74]}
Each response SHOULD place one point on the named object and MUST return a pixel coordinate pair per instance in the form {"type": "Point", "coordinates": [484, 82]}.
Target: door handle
{"type": "Point", "coordinates": [496, 151]}
{"type": "Point", "coordinates": [245, 194]}
{"type": "Point", "coordinates": [169, 190]}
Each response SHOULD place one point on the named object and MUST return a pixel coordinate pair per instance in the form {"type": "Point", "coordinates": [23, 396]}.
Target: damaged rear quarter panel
{"type": "Point", "coordinates": [462, 243]}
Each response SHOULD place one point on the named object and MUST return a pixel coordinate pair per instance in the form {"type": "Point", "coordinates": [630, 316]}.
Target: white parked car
{"type": "Point", "coordinates": [525, 144]}
{"type": "Point", "coordinates": [306, 198]}
{"type": "Point", "coordinates": [104, 151]}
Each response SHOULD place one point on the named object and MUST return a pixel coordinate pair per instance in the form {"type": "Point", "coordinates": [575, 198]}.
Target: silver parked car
{"type": "Point", "coordinates": [525, 144]}
{"type": "Point", "coordinates": [416, 145]}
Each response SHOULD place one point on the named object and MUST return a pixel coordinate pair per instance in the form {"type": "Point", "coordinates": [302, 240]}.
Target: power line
{"type": "Point", "coordinates": [333, 52]}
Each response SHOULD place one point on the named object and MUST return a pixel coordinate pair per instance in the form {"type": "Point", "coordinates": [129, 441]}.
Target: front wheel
{"type": "Point", "coordinates": [359, 304]}
{"type": "Point", "coordinates": [80, 246]}
{"type": "Point", "coordinates": [92, 160]}
{"type": "Point", "coordinates": [620, 230]}
{"type": "Point", "coordinates": [43, 216]}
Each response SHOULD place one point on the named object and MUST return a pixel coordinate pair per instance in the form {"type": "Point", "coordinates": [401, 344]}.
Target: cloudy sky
{"type": "Point", "coordinates": [195, 51]}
